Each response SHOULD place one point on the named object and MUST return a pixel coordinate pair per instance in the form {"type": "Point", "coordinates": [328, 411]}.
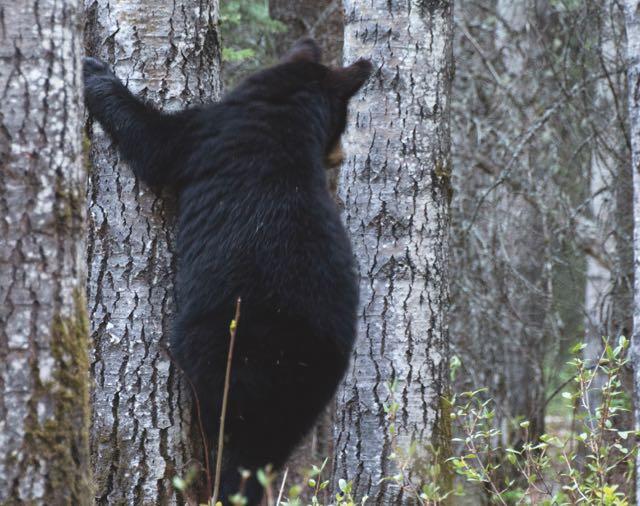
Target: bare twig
{"type": "Point", "coordinates": [480, 51]}
{"type": "Point", "coordinates": [225, 395]}
{"type": "Point", "coordinates": [524, 141]}
{"type": "Point", "coordinates": [284, 480]}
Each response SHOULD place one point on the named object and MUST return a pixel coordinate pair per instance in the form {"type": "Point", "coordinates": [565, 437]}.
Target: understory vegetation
{"type": "Point", "coordinates": [589, 460]}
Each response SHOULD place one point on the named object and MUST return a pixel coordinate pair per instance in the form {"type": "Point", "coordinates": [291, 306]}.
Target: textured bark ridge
{"type": "Point", "coordinates": [142, 433]}
{"type": "Point", "coordinates": [395, 190]}
{"type": "Point", "coordinates": [44, 385]}
{"type": "Point", "coordinates": [632, 14]}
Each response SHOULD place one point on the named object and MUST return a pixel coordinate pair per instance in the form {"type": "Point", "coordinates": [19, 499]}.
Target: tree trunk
{"type": "Point", "coordinates": [632, 18]}
{"type": "Point", "coordinates": [519, 230]}
{"type": "Point", "coordinates": [598, 281]}
{"type": "Point", "coordinates": [607, 305]}
{"type": "Point", "coordinates": [598, 286]}
{"type": "Point", "coordinates": [395, 189]}
{"type": "Point", "coordinates": [143, 433]}
{"type": "Point", "coordinates": [44, 385]}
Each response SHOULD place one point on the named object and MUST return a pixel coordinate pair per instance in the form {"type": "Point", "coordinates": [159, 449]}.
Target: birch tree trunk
{"type": "Point", "coordinates": [44, 383]}
{"type": "Point", "coordinates": [395, 190]}
{"type": "Point", "coordinates": [632, 15]}
{"type": "Point", "coordinates": [518, 225]}
{"type": "Point", "coordinates": [606, 303]}
{"type": "Point", "coordinates": [142, 432]}
{"type": "Point", "coordinates": [598, 281]}
{"type": "Point", "coordinates": [598, 286]}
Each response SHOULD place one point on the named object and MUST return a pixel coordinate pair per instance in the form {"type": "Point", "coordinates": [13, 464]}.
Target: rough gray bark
{"type": "Point", "coordinates": [632, 19]}
{"type": "Point", "coordinates": [395, 189]}
{"type": "Point", "coordinates": [44, 383]}
{"type": "Point", "coordinates": [142, 433]}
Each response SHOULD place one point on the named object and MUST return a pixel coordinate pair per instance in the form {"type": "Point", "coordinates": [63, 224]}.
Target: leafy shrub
{"type": "Point", "coordinates": [575, 468]}
{"type": "Point", "coordinates": [248, 37]}
{"type": "Point", "coordinates": [591, 463]}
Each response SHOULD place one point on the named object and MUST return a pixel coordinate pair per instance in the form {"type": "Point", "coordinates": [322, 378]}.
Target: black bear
{"type": "Point", "coordinates": [256, 220]}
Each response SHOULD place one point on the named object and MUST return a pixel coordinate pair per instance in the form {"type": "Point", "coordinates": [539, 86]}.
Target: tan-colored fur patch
{"type": "Point", "coordinates": [335, 157]}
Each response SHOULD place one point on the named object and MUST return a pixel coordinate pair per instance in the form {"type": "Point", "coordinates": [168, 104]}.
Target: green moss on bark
{"type": "Point", "coordinates": [442, 170]}
{"type": "Point", "coordinates": [61, 441]}
{"type": "Point", "coordinates": [442, 442]}
{"type": "Point", "coordinates": [69, 207]}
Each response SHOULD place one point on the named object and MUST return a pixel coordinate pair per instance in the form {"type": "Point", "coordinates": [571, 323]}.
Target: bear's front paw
{"type": "Point", "coordinates": [94, 67]}
{"type": "Point", "coordinates": [100, 83]}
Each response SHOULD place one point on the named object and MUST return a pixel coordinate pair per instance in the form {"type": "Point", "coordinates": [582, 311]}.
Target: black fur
{"type": "Point", "coordinates": [255, 221]}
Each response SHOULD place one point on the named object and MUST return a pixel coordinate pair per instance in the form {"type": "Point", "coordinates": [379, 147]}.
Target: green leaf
{"type": "Point", "coordinates": [295, 491]}
{"type": "Point", "coordinates": [262, 477]}
{"type": "Point", "coordinates": [179, 483]}
{"type": "Point", "coordinates": [237, 55]}
{"type": "Point", "coordinates": [577, 348]}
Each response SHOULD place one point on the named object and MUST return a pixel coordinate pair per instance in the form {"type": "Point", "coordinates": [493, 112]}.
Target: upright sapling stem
{"type": "Point", "coordinates": [225, 395]}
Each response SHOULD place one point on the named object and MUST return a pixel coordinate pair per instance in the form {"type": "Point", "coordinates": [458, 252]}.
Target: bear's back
{"type": "Point", "coordinates": [256, 224]}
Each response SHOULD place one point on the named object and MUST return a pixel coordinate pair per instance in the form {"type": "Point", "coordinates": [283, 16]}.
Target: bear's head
{"type": "Point", "coordinates": [300, 83]}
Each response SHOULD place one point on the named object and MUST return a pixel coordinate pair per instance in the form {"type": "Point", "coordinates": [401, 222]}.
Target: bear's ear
{"type": "Point", "coordinates": [346, 81]}
{"type": "Point", "coordinates": [303, 50]}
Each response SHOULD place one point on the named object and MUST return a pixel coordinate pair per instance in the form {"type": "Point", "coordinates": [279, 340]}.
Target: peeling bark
{"type": "Point", "coordinates": [143, 433]}
{"type": "Point", "coordinates": [44, 385]}
{"type": "Point", "coordinates": [395, 189]}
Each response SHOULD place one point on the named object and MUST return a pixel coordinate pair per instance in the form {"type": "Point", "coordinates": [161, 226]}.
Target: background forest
{"type": "Point", "coordinates": [515, 383]}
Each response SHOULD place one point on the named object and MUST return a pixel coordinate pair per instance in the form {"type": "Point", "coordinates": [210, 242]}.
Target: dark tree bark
{"type": "Point", "coordinates": [143, 433]}
{"type": "Point", "coordinates": [395, 186]}
{"type": "Point", "coordinates": [44, 383]}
